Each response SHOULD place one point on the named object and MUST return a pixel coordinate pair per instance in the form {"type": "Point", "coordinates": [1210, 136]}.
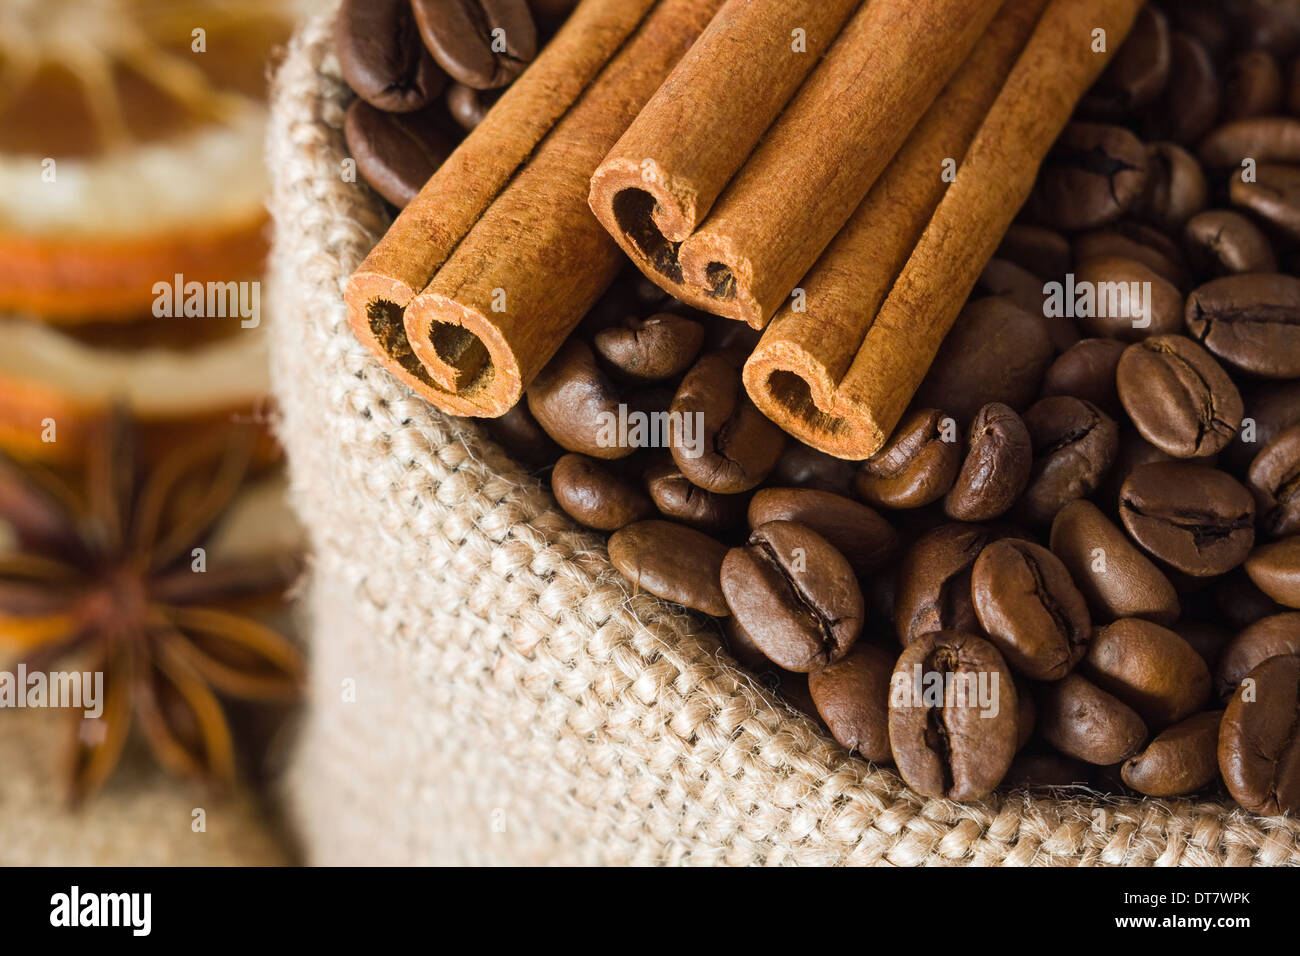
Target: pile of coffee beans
{"type": "Point", "coordinates": [1075, 563]}
{"type": "Point", "coordinates": [427, 71]}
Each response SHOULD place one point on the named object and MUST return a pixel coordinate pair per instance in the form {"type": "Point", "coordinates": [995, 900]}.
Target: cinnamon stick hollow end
{"type": "Point", "coordinates": [472, 369]}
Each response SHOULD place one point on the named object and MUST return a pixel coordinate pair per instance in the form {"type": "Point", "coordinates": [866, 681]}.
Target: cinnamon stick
{"type": "Point", "coordinates": [813, 166]}
{"type": "Point", "coordinates": [572, 103]}
{"type": "Point", "coordinates": [845, 394]}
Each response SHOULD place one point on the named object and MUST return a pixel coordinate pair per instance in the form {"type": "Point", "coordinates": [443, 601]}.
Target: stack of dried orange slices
{"type": "Point", "coordinates": [130, 161]}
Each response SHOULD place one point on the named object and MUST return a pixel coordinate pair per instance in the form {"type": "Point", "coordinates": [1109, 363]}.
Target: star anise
{"type": "Point", "coordinates": [115, 578]}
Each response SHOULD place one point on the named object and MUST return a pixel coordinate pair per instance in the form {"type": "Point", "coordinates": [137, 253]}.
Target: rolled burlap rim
{"type": "Point", "coordinates": [487, 689]}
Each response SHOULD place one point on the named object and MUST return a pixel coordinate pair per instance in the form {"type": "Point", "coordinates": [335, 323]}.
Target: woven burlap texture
{"type": "Point", "coordinates": [487, 689]}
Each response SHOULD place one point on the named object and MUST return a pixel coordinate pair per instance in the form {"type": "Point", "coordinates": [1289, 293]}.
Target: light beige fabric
{"type": "Point", "coordinates": [514, 702]}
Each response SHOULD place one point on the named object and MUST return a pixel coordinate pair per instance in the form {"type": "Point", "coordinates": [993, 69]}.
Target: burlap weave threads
{"type": "Point", "coordinates": [487, 689]}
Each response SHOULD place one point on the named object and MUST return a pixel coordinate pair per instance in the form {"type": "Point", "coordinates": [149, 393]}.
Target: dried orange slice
{"type": "Point", "coordinates": [130, 148]}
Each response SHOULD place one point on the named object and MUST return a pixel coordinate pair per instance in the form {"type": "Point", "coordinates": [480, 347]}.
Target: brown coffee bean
{"type": "Point", "coordinates": [594, 495]}
{"type": "Point", "coordinates": [1252, 86]}
{"type": "Point", "coordinates": [1252, 322]}
{"type": "Point", "coordinates": [1074, 444]}
{"type": "Point", "coordinates": [1240, 603]}
{"type": "Point", "coordinates": [1259, 741]}
{"type": "Point", "coordinates": [1175, 190]}
{"type": "Point", "coordinates": [916, 467]}
{"type": "Point", "coordinates": [1081, 720]}
{"type": "Point", "coordinates": [673, 562]}
{"type": "Point", "coordinates": [795, 595]}
{"type": "Point", "coordinates": [1180, 760]}
{"type": "Point", "coordinates": [1086, 370]}
{"type": "Point", "coordinates": [651, 350]}
{"type": "Point", "coordinates": [1206, 639]}
{"type": "Point", "coordinates": [1043, 771]}
{"type": "Point", "coordinates": [1123, 299]}
{"type": "Point", "coordinates": [1263, 139]}
{"type": "Point", "coordinates": [721, 442]}
{"type": "Point", "coordinates": [996, 352]}
{"type": "Point", "coordinates": [678, 499]}
{"type": "Point", "coordinates": [1273, 196]}
{"type": "Point", "coordinates": [1150, 668]}
{"type": "Point", "coordinates": [804, 467]}
{"type": "Point", "coordinates": [859, 533]}
{"type": "Point", "coordinates": [1092, 176]}
{"type": "Point", "coordinates": [382, 57]}
{"type": "Point", "coordinates": [1116, 579]}
{"type": "Point", "coordinates": [1274, 480]}
{"type": "Point", "coordinates": [482, 43]}
{"type": "Point", "coordinates": [1002, 277]}
{"type": "Point", "coordinates": [1192, 98]}
{"type": "Point", "coordinates": [1178, 396]}
{"type": "Point", "coordinates": [1030, 608]}
{"type": "Point", "coordinates": [1137, 241]}
{"type": "Point", "coordinates": [1139, 72]}
{"type": "Point", "coordinates": [1223, 242]}
{"type": "Point", "coordinates": [1271, 407]}
{"type": "Point", "coordinates": [469, 106]}
{"type": "Point", "coordinates": [1043, 252]}
{"type": "Point", "coordinates": [1197, 520]}
{"type": "Point", "coordinates": [933, 590]}
{"type": "Point", "coordinates": [1275, 569]}
{"type": "Point", "coordinates": [1268, 25]}
{"type": "Point", "coordinates": [396, 153]}
{"type": "Point", "coordinates": [999, 457]}
{"type": "Point", "coordinates": [1267, 637]}
{"type": "Point", "coordinates": [575, 402]}
{"type": "Point", "coordinates": [852, 698]}
{"type": "Point", "coordinates": [952, 716]}
{"type": "Point", "coordinates": [522, 438]}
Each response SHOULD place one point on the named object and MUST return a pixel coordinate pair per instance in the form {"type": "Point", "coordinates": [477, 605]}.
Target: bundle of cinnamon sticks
{"type": "Point", "coordinates": [836, 172]}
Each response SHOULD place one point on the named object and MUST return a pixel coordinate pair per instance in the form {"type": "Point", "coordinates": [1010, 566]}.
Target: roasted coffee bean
{"type": "Point", "coordinates": [1206, 639]}
{"type": "Point", "coordinates": [1150, 668]}
{"type": "Point", "coordinates": [1178, 396]}
{"type": "Point", "coordinates": [678, 499]}
{"type": "Point", "coordinates": [852, 698]}
{"type": "Point", "coordinates": [1074, 444]}
{"type": "Point", "coordinates": [469, 106]}
{"type": "Point", "coordinates": [1264, 139]}
{"type": "Point", "coordinates": [1273, 196]}
{"type": "Point", "coordinates": [523, 439]}
{"type": "Point", "coordinates": [1180, 760]}
{"type": "Point", "coordinates": [482, 43]}
{"type": "Point", "coordinates": [575, 402]}
{"type": "Point", "coordinates": [1223, 242]}
{"type": "Point", "coordinates": [1041, 251]}
{"type": "Point", "coordinates": [1081, 720]}
{"type": "Point", "coordinates": [1134, 240]}
{"type": "Point", "coordinates": [933, 591]}
{"type": "Point", "coordinates": [859, 533]}
{"type": "Point", "coordinates": [1259, 740]}
{"type": "Point", "coordinates": [1252, 86]}
{"type": "Point", "coordinates": [1197, 520]}
{"type": "Point", "coordinates": [1267, 637]}
{"type": "Point", "coordinates": [673, 562]}
{"type": "Point", "coordinates": [1175, 190]}
{"type": "Point", "coordinates": [1275, 569]}
{"type": "Point", "coordinates": [1266, 24]}
{"type": "Point", "coordinates": [804, 467]}
{"type": "Point", "coordinates": [1002, 277]}
{"type": "Point", "coordinates": [594, 495]}
{"type": "Point", "coordinates": [1030, 608]}
{"type": "Point", "coordinates": [1116, 579]}
{"type": "Point", "coordinates": [916, 467]}
{"type": "Point", "coordinates": [396, 153]}
{"type": "Point", "coordinates": [721, 442]}
{"type": "Point", "coordinates": [1134, 452]}
{"type": "Point", "coordinates": [952, 716]}
{"type": "Point", "coordinates": [1123, 299]}
{"type": "Point", "coordinates": [1042, 771]}
{"type": "Point", "coordinates": [1087, 370]}
{"type": "Point", "coordinates": [1091, 177]}
{"type": "Point", "coordinates": [651, 350]}
{"type": "Point", "coordinates": [1274, 480]}
{"type": "Point", "coordinates": [382, 57]}
{"type": "Point", "coordinates": [795, 595]}
{"type": "Point", "coordinates": [1240, 603]}
{"type": "Point", "coordinates": [999, 456]}
{"type": "Point", "coordinates": [1252, 322]}
{"type": "Point", "coordinates": [1192, 98]}
{"type": "Point", "coordinates": [1271, 408]}
{"type": "Point", "coordinates": [996, 352]}
{"type": "Point", "coordinates": [1139, 72]}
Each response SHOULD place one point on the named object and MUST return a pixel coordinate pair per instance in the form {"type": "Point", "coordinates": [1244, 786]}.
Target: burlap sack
{"type": "Point", "coordinates": [486, 687]}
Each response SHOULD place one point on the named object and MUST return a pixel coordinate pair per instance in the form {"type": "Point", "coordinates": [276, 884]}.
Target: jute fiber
{"type": "Point", "coordinates": [487, 689]}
